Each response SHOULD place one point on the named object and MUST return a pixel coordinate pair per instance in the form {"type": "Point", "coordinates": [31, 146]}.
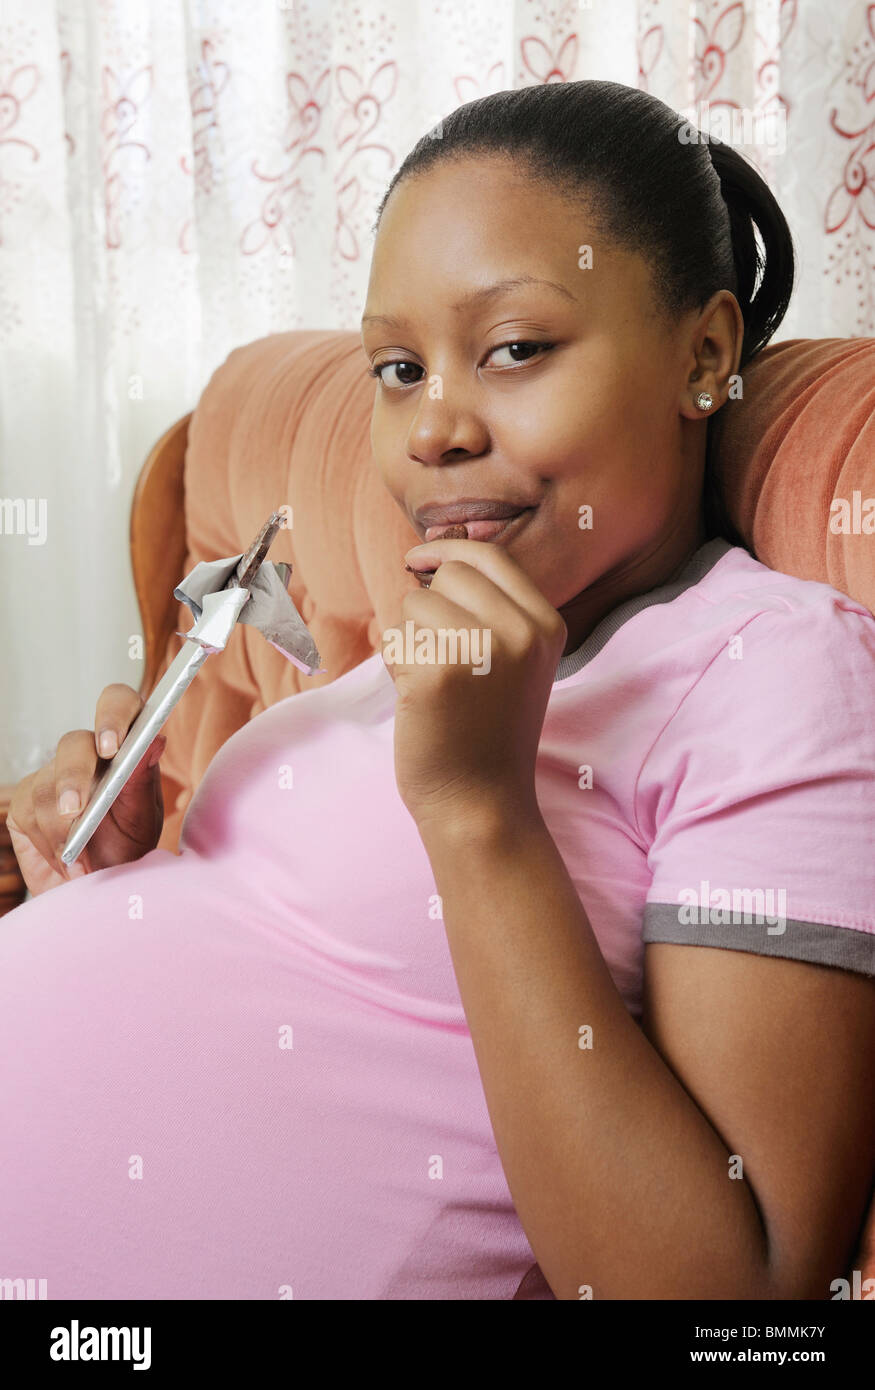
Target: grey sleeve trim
{"type": "Point", "coordinates": [817, 942]}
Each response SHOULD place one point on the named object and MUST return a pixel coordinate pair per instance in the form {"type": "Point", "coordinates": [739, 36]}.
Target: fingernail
{"type": "Point", "coordinates": [68, 802]}
{"type": "Point", "coordinates": [107, 743]}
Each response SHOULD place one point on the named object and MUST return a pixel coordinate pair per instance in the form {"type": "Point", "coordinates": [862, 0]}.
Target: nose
{"type": "Point", "coordinates": [444, 429]}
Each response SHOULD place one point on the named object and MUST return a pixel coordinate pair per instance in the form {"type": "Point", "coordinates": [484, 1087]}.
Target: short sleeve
{"type": "Point", "coordinates": [757, 798]}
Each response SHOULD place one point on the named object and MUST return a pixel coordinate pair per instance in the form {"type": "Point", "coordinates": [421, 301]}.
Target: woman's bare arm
{"type": "Point", "coordinates": [619, 1156]}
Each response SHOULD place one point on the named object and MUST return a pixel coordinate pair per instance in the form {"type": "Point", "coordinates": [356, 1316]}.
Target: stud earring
{"type": "Point", "coordinates": [704, 401]}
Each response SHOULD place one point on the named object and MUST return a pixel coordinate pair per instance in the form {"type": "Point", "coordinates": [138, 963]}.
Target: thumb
{"type": "Point", "coordinates": [149, 758]}
{"type": "Point", "coordinates": [156, 752]}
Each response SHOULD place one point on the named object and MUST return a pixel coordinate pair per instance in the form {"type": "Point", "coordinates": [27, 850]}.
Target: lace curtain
{"type": "Point", "coordinates": [178, 177]}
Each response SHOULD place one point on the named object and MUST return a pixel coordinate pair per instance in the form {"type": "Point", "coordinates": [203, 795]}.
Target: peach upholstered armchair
{"type": "Point", "coordinates": [285, 421]}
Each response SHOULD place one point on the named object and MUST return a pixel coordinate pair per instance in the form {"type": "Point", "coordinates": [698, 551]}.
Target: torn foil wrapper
{"type": "Point", "coordinates": [269, 608]}
{"type": "Point", "coordinates": [260, 600]}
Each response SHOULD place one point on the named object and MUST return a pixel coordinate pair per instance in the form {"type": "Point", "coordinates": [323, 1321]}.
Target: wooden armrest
{"type": "Point", "coordinates": [12, 885]}
{"type": "Point", "coordinates": [158, 544]}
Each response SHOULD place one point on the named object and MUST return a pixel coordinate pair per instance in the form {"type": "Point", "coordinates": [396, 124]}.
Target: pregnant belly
{"type": "Point", "coordinates": [190, 1107]}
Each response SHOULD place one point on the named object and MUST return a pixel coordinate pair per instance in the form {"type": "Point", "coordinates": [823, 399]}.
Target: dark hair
{"type": "Point", "coordinates": [654, 184]}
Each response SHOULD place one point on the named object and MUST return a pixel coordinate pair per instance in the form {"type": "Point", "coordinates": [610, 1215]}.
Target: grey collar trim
{"type": "Point", "coordinates": [695, 569]}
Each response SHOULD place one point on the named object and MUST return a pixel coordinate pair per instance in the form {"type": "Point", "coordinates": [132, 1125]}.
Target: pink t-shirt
{"type": "Point", "coordinates": [246, 1072]}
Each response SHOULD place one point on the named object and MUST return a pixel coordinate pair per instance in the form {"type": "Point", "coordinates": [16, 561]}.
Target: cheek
{"type": "Point", "coordinates": [617, 488]}
{"type": "Point", "coordinates": [573, 428]}
{"type": "Point", "coordinates": [389, 437]}
{"type": "Point", "coordinates": [395, 486]}
{"type": "Point", "coordinates": [595, 514]}
{"type": "Point", "coordinates": [384, 461]}
{"type": "Point", "coordinates": [612, 453]}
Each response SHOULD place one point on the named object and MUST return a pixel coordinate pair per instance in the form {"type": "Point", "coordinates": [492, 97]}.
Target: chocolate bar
{"type": "Point", "coordinates": [456, 532]}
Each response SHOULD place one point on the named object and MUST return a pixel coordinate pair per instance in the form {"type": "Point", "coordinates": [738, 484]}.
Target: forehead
{"type": "Point", "coordinates": [461, 209]}
{"type": "Point", "coordinates": [462, 224]}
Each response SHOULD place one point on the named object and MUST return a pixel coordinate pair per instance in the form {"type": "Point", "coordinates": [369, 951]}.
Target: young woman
{"type": "Point", "coordinates": [548, 979]}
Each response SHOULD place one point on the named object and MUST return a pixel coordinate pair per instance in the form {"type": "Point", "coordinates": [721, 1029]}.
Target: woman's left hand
{"type": "Point", "coordinates": [467, 731]}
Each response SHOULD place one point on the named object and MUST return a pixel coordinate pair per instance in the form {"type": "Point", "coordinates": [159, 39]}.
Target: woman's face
{"type": "Point", "coordinates": [594, 407]}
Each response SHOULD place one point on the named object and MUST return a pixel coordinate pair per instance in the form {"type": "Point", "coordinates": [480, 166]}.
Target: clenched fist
{"type": "Point", "coordinates": [45, 803]}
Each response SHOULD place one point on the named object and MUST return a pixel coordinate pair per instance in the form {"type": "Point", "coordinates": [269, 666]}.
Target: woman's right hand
{"type": "Point", "coordinates": [37, 825]}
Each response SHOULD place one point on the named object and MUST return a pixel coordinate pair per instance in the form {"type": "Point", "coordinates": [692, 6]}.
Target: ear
{"type": "Point", "coordinates": [716, 343]}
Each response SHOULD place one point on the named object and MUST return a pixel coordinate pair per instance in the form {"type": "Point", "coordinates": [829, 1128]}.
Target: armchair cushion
{"type": "Point", "coordinates": [803, 435]}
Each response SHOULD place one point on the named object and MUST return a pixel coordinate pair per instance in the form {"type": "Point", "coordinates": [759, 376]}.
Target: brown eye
{"type": "Point", "coordinates": [531, 348]}
{"type": "Point", "coordinates": [399, 367]}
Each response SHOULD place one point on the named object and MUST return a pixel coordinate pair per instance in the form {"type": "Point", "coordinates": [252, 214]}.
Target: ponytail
{"type": "Point", "coordinates": [764, 279]}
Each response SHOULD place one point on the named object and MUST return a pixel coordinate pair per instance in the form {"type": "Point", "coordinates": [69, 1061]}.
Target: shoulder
{"type": "Point", "coordinates": [777, 691]}
{"type": "Point", "coordinates": [741, 587]}
{"type": "Point", "coordinates": [772, 642]}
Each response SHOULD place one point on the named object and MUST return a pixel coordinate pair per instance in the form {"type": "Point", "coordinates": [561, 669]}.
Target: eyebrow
{"type": "Point", "coordinates": [479, 296]}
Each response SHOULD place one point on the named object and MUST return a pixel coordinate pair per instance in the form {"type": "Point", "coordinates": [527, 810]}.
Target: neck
{"type": "Point", "coordinates": [659, 566]}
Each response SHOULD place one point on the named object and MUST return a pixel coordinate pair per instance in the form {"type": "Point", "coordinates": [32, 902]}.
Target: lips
{"type": "Point", "coordinates": [485, 518]}
{"type": "Point", "coordinates": [470, 509]}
